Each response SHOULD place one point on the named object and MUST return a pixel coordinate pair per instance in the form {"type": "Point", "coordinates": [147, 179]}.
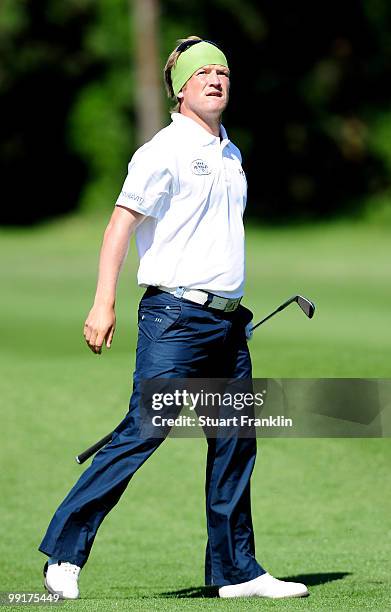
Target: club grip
{"type": "Point", "coordinates": [93, 449]}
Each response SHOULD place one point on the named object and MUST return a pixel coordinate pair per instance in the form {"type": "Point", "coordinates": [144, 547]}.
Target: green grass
{"type": "Point", "coordinates": [320, 506]}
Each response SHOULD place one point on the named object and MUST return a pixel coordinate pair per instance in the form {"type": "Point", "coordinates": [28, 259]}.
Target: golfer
{"type": "Point", "coordinates": [184, 197]}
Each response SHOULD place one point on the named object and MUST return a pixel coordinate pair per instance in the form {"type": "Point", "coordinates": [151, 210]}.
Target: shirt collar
{"type": "Point", "coordinates": [198, 132]}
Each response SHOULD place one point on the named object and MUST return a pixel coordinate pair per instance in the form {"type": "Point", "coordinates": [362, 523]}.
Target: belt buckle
{"type": "Point", "coordinates": [218, 302]}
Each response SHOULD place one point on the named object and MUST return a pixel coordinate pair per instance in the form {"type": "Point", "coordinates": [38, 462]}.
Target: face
{"type": "Point", "coordinates": [207, 91]}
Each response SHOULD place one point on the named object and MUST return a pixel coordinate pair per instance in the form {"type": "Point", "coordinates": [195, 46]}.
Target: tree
{"type": "Point", "coordinates": [149, 109]}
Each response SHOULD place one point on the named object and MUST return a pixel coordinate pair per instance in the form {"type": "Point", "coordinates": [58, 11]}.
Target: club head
{"type": "Point", "coordinates": [306, 305]}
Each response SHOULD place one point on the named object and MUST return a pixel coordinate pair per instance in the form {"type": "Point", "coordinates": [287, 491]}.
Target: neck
{"type": "Point", "coordinates": [210, 124]}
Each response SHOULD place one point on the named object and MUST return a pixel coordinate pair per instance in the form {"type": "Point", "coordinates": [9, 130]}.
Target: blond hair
{"type": "Point", "coordinates": [172, 60]}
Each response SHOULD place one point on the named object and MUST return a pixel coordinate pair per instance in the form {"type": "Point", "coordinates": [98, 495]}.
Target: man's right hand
{"type": "Point", "coordinates": [99, 327]}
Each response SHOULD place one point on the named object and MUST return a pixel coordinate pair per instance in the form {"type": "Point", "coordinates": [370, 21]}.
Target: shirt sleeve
{"type": "Point", "coordinates": [148, 184]}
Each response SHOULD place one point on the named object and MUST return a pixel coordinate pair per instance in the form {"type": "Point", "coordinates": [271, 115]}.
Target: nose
{"type": "Point", "coordinates": [214, 79]}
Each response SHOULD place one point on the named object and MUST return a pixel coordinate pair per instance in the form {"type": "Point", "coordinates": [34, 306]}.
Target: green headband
{"type": "Point", "coordinates": [193, 58]}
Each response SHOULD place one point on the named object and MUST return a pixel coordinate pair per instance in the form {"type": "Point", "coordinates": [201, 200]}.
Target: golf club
{"type": "Point", "coordinates": [306, 306]}
{"type": "Point", "coordinates": [93, 449]}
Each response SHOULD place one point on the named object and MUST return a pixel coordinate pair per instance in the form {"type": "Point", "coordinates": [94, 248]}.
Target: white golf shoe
{"type": "Point", "coordinates": [61, 579]}
{"type": "Point", "coordinates": [264, 586]}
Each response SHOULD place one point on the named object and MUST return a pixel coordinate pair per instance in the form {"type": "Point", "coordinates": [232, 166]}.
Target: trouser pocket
{"type": "Point", "coordinates": [156, 320]}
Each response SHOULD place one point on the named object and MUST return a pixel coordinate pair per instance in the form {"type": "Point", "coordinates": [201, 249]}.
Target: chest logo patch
{"type": "Point", "coordinates": [199, 166]}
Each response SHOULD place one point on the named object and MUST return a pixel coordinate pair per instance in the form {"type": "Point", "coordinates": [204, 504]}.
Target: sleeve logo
{"type": "Point", "coordinates": [132, 196]}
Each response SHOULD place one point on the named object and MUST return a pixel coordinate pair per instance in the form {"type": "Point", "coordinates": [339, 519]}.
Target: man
{"type": "Point", "coordinates": [184, 195]}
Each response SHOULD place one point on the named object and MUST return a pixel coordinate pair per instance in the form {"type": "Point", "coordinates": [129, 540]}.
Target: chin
{"type": "Point", "coordinates": [217, 105]}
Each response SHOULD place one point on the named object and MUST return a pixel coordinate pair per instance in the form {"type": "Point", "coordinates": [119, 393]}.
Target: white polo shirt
{"type": "Point", "coordinates": [192, 189]}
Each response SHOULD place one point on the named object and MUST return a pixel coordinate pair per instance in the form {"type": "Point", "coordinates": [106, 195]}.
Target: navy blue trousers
{"type": "Point", "coordinates": [176, 339]}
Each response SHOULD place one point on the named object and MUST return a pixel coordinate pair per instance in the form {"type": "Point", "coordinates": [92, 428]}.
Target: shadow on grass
{"type": "Point", "coordinates": [201, 591]}
{"type": "Point", "coordinates": [210, 591]}
{"type": "Point", "coordinates": [315, 579]}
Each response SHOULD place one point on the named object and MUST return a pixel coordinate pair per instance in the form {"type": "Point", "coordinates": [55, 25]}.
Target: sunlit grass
{"type": "Point", "coordinates": [320, 506]}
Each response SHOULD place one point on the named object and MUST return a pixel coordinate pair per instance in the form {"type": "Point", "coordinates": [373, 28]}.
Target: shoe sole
{"type": "Point", "coordinates": [264, 596]}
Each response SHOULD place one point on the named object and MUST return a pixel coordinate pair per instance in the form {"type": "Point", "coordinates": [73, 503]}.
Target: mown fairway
{"type": "Point", "coordinates": [321, 506]}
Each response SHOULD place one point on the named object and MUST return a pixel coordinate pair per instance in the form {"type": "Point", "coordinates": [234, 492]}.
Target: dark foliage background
{"type": "Point", "coordinates": [309, 106]}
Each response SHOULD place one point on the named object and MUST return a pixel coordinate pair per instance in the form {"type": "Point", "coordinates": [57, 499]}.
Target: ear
{"type": "Point", "coordinates": [180, 94]}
